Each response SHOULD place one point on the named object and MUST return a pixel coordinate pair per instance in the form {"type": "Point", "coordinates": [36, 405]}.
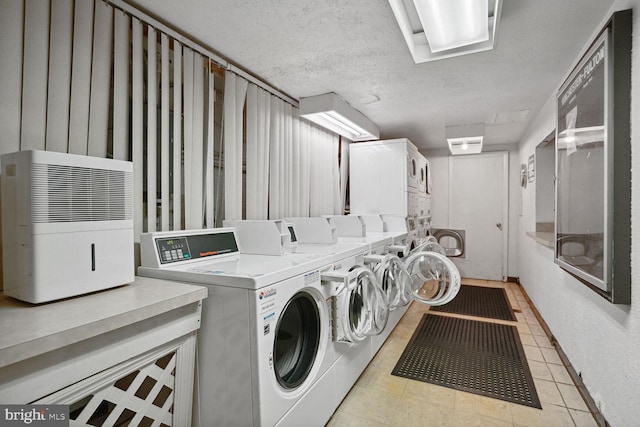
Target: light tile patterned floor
{"type": "Point", "coordinates": [381, 399]}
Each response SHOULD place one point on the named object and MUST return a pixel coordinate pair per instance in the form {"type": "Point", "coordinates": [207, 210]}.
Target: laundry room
{"type": "Point", "coordinates": [377, 213]}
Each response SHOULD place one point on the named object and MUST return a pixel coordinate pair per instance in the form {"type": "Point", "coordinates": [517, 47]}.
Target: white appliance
{"type": "Point", "coordinates": [388, 177]}
{"type": "Point", "coordinates": [264, 347]}
{"type": "Point", "coordinates": [67, 223]}
{"type": "Point", "coordinates": [414, 166]}
{"type": "Point", "coordinates": [389, 270]}
{"type": "Point", "coordinates": [422, 229]}
{"type": "Point", "coordinates": [424, 276]}
{"type": "Point", "coordinates": [403, 231]}
{"type": "Point", "coordinates": [360, 306]}
{"type": "Point", "coordinates": [435, 280]}
{"type": "Point", "coordinates": [381, 241]}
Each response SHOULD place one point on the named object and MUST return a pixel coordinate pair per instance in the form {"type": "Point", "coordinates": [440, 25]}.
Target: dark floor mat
{"type": "Point", "coordinates": [469, 355]}
{"type": "Point", "coordinates": [480, 301]}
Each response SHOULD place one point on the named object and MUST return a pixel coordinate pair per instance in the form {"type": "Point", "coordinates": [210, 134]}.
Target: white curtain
{"type": "Point", "coordinates": [257, 167]}
{"type": "Point", "coordinates": [276, 160]}
{"type": "Point", "coordinates": [11, 52]}
{"type": "Point", "coordinates": [324, 185]}
{"type": "Point", "coordinates": [235, 90]}
{"type": "Point", "coordinates": [344, 172]}
{"type": "Point", "coordinates": [304, 142]}
{"type": "Point", "coordinates": [58, 95]}
{"type": "Point", "coordinates": [86, 78]}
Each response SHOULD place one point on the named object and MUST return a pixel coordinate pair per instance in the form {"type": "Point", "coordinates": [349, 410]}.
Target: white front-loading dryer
{"type": "Point", "coordinates": [264, 346]}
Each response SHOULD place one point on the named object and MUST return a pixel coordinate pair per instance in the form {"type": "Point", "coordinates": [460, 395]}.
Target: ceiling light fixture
{"type": "Point", "coordinates": [465, 139]}
{"type": "Point", "coordinates": [453, 23]}
{"type": "Point", "coordinates": [334, 113]}
{"type": "Point", "coordinates": [435, 29]}
{"type": "Point", "coordinates": [470, 145]}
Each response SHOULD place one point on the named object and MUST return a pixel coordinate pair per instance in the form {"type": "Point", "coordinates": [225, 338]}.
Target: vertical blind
{"type": "Point", "coordinates": [88, 78]}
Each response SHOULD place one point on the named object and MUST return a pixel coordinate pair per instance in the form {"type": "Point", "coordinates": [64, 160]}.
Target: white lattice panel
{"type": "Point", "coordinates": [143, 397]}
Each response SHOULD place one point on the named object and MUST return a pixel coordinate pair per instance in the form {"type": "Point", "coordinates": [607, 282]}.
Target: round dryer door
{"type": "Point", "coordinates": [435, 280]}
{"type": "Point", "coordinates": [394, 281]}
{"type": "Point", "coordinates": [361, 308]}
{"type": "Point", "coordinates": [431, 246]}
{"type": "Point", "coordinates": [297, 340]}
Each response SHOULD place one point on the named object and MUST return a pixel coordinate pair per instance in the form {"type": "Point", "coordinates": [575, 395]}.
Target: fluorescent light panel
{"type": "Point", "coordinates": [439, 29]}
{"type": "Point", "coordinates": [451, 24]}
{"type": "Point", "coordinates": [334, 113]}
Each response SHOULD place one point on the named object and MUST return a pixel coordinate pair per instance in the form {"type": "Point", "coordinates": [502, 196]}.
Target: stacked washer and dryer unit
{"type": "Point", "coordinates": [391, 177]}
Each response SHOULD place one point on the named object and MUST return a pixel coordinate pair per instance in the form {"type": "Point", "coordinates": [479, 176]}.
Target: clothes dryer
{"type": "Point", "coordinates": [264, 347]}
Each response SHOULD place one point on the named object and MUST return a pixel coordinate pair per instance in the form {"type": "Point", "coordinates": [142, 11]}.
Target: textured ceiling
{"type": "Point", "coordinates": [355, 48]}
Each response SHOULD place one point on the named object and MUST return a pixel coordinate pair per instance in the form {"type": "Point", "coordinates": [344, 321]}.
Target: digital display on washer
{"type": "Point", "coordinates": [174, 249]}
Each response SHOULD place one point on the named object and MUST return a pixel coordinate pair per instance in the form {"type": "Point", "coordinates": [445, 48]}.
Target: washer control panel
{"type": "Point", "coordinates": [188, 247]}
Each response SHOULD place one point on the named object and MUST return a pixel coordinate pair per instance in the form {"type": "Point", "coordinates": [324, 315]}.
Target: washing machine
{"type": "Point", "coordinates": [386, 265]}
{"type": "Point", "coordinates": [360, 307]}
{"type": "Point", "coordinates": [425, 275]}
{"type": "Point", "coordinates": [264, 346]}
{"type": "Point", "coordinates": [403, 231]}
{"type": "Point", "coordinates": [422, 229]}
{"type": "Point", "coordinates": [382, 240]}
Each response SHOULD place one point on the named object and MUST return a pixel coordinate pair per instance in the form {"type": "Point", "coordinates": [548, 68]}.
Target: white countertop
{"type": "Point", "coordinates": [544, 238]}
{"type": "Point", "coordinates": [29, 330]}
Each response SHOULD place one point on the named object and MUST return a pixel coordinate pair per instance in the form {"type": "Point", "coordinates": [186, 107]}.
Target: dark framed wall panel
{"type": "Point", "coordinates": [593, 165]}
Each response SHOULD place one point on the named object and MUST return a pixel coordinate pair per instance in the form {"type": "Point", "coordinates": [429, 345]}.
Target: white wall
{"type": "Point", "coordinates": [440, 195]}
{"type": "Point", "coordinates": [602, 340]}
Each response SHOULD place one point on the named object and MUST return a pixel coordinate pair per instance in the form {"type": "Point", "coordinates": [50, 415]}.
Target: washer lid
{"type": "Point", "coordinates": [297, 340]}
{"type": "Point", "coordinates": [435, 280]}
{"type": "Point", "coordinates": [361, 307]}
{"type": "Point", "coordinates": [394, 281]}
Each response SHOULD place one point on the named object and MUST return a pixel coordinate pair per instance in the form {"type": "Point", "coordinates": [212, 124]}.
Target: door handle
{"type": "Point", "coordinates": [499, 225]}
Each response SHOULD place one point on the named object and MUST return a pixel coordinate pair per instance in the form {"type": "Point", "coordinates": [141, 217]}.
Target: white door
{"type": "Point", "coordinates": [478, 204]}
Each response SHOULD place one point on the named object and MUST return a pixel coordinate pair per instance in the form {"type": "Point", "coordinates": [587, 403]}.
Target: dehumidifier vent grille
{"type": "Point", "coordinates": [74, 194]}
